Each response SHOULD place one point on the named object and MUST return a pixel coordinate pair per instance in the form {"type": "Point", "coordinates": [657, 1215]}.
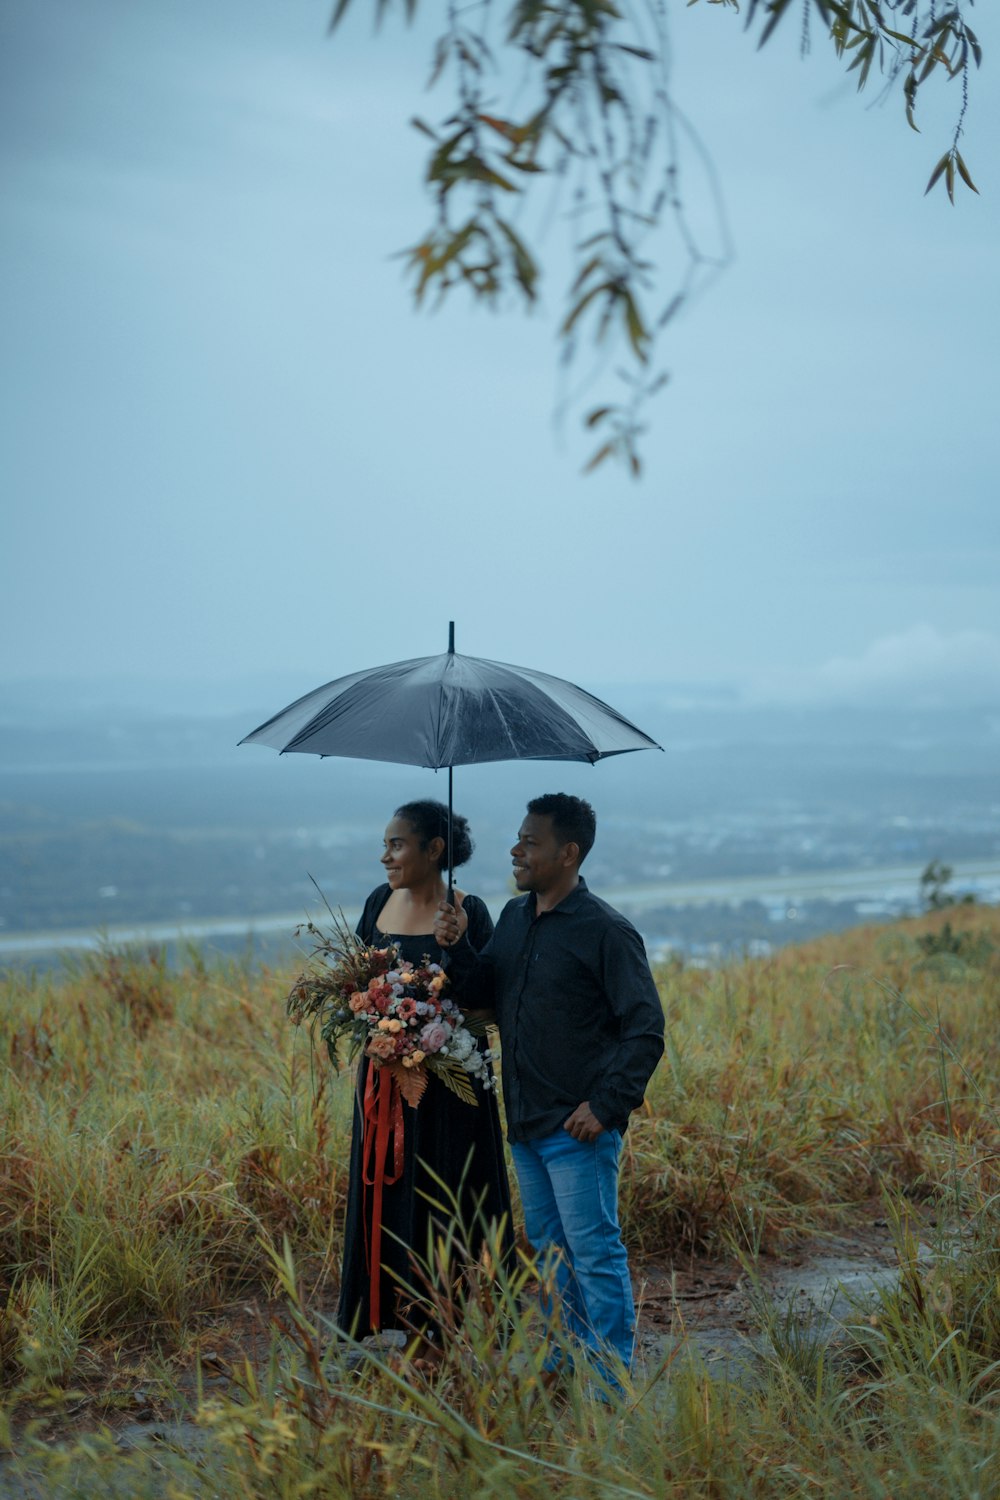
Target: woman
{"type": "Point", "coordinates": [449, 1151]}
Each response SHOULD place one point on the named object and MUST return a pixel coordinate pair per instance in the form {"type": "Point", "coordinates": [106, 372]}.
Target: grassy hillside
{"type": "Point", "coordinates": [172, 1150]}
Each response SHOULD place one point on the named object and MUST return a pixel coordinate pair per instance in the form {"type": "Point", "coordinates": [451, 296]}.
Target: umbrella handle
{"type": "Point", "coordinates": [451, 883]}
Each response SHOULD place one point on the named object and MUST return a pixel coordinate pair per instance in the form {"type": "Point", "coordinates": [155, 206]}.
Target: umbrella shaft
{"type": "Point", "coordinates": [451, 888]}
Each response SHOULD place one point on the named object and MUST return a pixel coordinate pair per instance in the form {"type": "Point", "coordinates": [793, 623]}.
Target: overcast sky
{"type": "Point", "coordinates": [230, 447]}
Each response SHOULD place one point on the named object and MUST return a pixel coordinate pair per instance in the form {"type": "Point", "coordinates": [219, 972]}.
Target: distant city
{"type": "Point", "coordinates": [756, 827]}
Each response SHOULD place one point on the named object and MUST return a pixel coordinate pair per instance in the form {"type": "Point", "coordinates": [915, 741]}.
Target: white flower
{"type": "Point", "coordinates": [462, 1044]}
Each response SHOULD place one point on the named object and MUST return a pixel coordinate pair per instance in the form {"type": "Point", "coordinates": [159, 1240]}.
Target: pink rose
{"type": "Point", "coordinates": [382, 1046]}
{"type": "Point", "coordinates": [434, 1036]}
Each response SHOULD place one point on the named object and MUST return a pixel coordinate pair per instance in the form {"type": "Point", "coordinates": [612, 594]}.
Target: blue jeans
{"type": "Point", "coordinates": [569, 1193]}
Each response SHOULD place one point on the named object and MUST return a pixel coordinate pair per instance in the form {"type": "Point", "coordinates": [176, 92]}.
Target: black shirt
{"type": "Point", "coordinates": [578, 1010]}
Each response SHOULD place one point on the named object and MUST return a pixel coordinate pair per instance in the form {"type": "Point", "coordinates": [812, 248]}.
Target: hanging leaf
{"type": "Point", "coordinates": [941, 167]}
{"type": "Point", "coordinates": [602, 453]}
{"type": "Point", "coordinates": [597, 415]}
{"type": "Point", "coordinates": [777, 9]}
{"type": "Point", "coordinates": [584, 302]}
{"type": "Point", "coordinates": [602, 126]}
{"type": "Point", "coordinates": [525, 268]}
{"type": "Point", "coordinates": [638, 333]}
{"type": "Point", "coordinates": [964, 172]}
{"type": "Point", "coordinates": [338, 14]}
{"type": "Point", "coordinates": [502, 127]}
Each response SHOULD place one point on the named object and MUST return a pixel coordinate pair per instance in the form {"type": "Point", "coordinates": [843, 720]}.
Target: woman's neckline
{"type": "Point", "coordinates": [382, 931]}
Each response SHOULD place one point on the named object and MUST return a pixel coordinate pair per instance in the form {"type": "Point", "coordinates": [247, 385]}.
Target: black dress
{"type": "Point", "coordinates": [443, 1141]}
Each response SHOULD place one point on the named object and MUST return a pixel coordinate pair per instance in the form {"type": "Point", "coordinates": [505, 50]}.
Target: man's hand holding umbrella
{"type": "Point", "coordinates": [450, 924]}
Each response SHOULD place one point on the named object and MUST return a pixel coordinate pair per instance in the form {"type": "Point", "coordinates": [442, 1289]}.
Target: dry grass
{"type": "Point", "coordinates": [795, 1088]}
{"type": "Point", "coordinates": [163, 1134]}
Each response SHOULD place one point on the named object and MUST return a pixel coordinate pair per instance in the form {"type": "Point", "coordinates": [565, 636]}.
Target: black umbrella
{"type": "Point", "coordinates": [451, 710]}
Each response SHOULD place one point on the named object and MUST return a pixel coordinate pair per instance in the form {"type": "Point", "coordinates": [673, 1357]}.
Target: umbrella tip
{"type": "Point", "coordinates": [451, 637]}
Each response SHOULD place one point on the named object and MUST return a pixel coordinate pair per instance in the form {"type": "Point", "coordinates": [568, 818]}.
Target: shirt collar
{"type": "Point", "coordinates": [569, 904]}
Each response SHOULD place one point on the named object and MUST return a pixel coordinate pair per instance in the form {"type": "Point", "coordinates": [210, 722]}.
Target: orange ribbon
{"type": "Point", "coordinates": [383, 1131]}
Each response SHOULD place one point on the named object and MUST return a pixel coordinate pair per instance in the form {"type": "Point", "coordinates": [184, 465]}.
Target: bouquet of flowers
{"type": "Point", "coordinates": [396, 1013]}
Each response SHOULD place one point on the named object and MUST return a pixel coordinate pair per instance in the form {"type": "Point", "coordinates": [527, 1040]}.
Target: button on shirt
{"type": "Point", "coordinates": [578, 1010]}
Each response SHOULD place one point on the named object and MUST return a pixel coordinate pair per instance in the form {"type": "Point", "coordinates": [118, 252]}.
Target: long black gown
{"type": "Point", "coordinates": [443, 1138]}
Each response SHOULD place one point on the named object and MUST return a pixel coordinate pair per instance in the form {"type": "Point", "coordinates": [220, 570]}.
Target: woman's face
{"type": "Point", "coordinates": [404, 862]}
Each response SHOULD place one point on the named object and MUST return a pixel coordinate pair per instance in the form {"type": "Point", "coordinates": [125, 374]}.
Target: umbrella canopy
{"type": "Point", "coordinates": [451, 710]}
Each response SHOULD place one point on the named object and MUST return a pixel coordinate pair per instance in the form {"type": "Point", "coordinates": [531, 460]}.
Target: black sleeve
{"type": "Point", "coordinates": [365, 929]}
{"type": "Point", "coordinates": [471, 974]}
{"type": "Point", "coordinates": [635, 1002]}
{"type": "Point", "coordinates": [480, 922]}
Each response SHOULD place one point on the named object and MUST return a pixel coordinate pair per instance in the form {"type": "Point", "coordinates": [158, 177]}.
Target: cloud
{"type": "Point", "coordinates": [921, 667]}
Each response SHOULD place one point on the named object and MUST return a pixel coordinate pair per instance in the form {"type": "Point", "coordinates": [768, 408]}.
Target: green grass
{"type": "Point", "coordinates": [170, 1147]}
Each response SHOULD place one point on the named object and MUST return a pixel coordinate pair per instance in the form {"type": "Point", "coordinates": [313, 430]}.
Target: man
{"type": "Point", "coordinates": [582, 1030]}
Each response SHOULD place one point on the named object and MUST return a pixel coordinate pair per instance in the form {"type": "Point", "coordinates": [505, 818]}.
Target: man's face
{"type": "Point", "coordinates": [540, 860]}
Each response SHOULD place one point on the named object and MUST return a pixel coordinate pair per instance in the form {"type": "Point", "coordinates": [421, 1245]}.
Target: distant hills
{"type": "Point", "coordinates": [125, 803]}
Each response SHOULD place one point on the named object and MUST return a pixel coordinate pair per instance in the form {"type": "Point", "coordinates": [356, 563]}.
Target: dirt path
{"type": "Point", "coordinates": [715, 1307]}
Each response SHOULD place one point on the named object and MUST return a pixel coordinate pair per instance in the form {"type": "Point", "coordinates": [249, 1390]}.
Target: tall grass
{"type": "Point", "coordinates": [156, 1130]}
{"type": "Point", "coordinates": [795, 1088]}
{"type": "Point", "coordinates": [893, 1419]}
{"type": "Point", "coordinates": [163, 1135]}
